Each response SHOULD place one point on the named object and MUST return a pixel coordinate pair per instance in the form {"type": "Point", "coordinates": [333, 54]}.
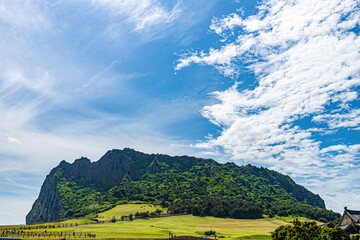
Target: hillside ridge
{"type": "Point", "coordinates": [178, 182]}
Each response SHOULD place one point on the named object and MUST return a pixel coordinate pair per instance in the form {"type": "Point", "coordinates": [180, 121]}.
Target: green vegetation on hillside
{"type": "Point", "coordinates": [79, 200]}
{"type": "Point", "coordinates": [203, 190]}
{"type": "Point", "coordinates": [126, 209]}
{"type": "Point", "coordinates": [202, 187]}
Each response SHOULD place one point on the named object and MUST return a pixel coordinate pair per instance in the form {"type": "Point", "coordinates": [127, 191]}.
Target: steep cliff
{"type": "Point", "coordinates": [47, 206]}
{"type": "Point", "coordinates": [85, 187]}
{"type": "Point", "coordinates": [101, 175]}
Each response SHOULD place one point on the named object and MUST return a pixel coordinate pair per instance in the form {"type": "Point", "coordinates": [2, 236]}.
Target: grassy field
{"type": "Point", "coordinates": [159, 228]}
{"type": "Point", "coordinates": [126, 209]}
{"type": "Point", "coordinates": [156, 228]}
{"type": "Point", "coordinates": [186, 226]}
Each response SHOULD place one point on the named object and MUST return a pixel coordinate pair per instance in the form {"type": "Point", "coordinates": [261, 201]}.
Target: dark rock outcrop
{"type": "Point", "coordinates": [111, 168]}
{"type": "Point", "coordinates": [47, 207]}
{"type": "Point", "coordinates": [154, 167]}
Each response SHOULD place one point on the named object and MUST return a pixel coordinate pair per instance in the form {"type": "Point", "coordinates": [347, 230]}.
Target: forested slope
{"type": "Point", "coordinates": [183, 184]}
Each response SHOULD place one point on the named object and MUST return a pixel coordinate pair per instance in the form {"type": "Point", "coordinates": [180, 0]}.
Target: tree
{"type": "Point", "coordinates": [354, 237]}
{"type": "Point", "coordinates": [271, 214]}
{"type": "Point", "coordinates": [306, 231]}
{"type": "Point", "coordinates": [210, 233]}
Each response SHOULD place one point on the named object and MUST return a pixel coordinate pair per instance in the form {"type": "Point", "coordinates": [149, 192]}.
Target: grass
{"type": "Point", "coordinates": [71, 221]}
{"type": "Point", "coordinates": [196, 226]}
{"type": "Point", "coordinates": [255, 237]}
{"type": "Point", "coordinates": [159, 228]}
{"type": "Point", "coordinates": [126, 209]}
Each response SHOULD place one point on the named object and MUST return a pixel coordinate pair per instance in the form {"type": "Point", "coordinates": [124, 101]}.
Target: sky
{"type": "Point", "coordinates": [270, 83]}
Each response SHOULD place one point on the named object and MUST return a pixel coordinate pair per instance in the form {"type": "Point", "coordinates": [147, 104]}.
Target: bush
{"type": "Point", "coordinates": [306, 231]}
{"type": "Point", "coordinates": [331, 233]}
{"type": "Point", "coordinates": [355, 236]}
{"type": "Point", "coordinates": [210, 233]}
{"type": "Point", "coordinates": [113, 219]}
{"type": "Point", "coordinates": [271, 214]}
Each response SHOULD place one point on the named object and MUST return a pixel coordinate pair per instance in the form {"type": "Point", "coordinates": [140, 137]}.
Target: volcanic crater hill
{"type": "Point", "coordinates": [180, 183]}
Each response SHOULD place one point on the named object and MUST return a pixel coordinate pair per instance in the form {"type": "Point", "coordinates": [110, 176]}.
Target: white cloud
{"type": "Point", "coordinates": [49, 90]}
{"type": "Point", "coordinates": [13, 140]}
{"type": "Point", "coordinates": [305, 58]}
{"type": "Point", "coordinates": [46, 92]}
{"type": "Point", "coordinates": [144, 14]}
{"type": "Point", "coordinates": [39, 82]}
{"type": "Point", "coordinates": [23, 13]}
{"type": "Point", "coordinates": [20, 185]}
{"type": "Point", "coordinates": [338, 120]}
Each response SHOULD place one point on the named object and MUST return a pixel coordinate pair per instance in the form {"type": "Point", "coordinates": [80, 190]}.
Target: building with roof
{"type": "Point", "coordinates": [350, 221]}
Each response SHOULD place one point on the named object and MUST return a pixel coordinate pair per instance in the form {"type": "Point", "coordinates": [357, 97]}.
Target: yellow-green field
{"type": "Point", "coordinates": [126, 209]}
{"type": "Point", "coordinates": [159, 228]}
{"type": "Point", "coordinates": [184, 226]}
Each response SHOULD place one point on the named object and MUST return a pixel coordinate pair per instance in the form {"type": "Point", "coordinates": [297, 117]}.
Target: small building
{"type": "Point", "coordinates": [328, 224]}
{"type": "Point", "coordinates": [350, 221]}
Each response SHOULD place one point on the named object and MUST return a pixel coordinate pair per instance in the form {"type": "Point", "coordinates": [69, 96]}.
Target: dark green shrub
{"type": "Point", "coordinates": [210, 233]}
{"type": "Point", "coordinates": [355, 236]}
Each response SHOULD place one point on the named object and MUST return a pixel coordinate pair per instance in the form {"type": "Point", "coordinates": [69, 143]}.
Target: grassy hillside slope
{"type": "Point", "coordinates": [126, 209]}
{"type": "Point", "coordinates": [159, 228]}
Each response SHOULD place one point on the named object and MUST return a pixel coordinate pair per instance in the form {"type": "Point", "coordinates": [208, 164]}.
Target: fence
{"type": "Point", "coordinates": [48, 235]}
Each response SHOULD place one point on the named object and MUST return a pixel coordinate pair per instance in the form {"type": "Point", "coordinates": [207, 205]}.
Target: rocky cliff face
{"type": "Point", "coordinates": [111, 168]}
{"type": "Point", "coordinates": [47, 207]}
{"type": "Point", "coordinates": [105, 174]}
{"type": "Point", "coordinates": [66, 182]}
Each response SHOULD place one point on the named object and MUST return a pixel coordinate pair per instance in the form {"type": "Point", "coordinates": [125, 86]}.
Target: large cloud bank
{"type": "Point", "coordinates": [306, 59]}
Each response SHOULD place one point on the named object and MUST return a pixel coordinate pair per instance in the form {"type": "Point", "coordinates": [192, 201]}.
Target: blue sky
{"type": "Point", "coordinates": [273, 83]}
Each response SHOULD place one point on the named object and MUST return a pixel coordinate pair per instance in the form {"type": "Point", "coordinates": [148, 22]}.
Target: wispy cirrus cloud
{"type": "Point", "coordinates": [142, 13]}
{"type": "Point", "coordinates": [57, 102]}
{"type": "Point", "coordinates": [306, 60]}
{"type": "Point", "coordinates": [24, 14]}
{"type": "Point", "coordinates": [147, 17]}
